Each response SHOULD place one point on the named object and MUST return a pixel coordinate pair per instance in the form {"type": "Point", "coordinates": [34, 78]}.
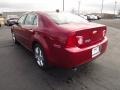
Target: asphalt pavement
{"type": "Point", "coordinates": [18, 70]}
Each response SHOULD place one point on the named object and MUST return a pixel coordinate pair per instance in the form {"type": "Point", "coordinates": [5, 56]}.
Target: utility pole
{"type": "Point", "coordinates": [102, 7]}
{"type": "Point", "coordinates": [78, 7]}
{"type": "Point", "coordinates": [115, 7]}
{"type": "Point", "coordinates": [63, 5]}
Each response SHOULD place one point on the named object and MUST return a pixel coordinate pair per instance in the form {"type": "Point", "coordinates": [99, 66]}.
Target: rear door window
{"type": "Point", "coordinates": [29, 19]}
{"type": "Point", "coordinates": [35, 22]}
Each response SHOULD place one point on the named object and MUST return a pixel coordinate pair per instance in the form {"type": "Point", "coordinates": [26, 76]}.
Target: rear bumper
{"type": "Point", "coordinates": [74, 57]}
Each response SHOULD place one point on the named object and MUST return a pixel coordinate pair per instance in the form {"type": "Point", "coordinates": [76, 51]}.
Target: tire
{"type": "Point", "coordinates": [14, 39]}
{"type": "Point", "coordinates": [40, 57]}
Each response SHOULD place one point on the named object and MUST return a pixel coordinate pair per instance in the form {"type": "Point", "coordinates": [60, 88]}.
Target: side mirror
{"type": "Point", "coordinates": [16, 23]}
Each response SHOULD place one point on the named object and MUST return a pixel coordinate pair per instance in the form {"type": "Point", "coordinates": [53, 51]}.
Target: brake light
{"type": "Point", "coordinates": [74, 41]}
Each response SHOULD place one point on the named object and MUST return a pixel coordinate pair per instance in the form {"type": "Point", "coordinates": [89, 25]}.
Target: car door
{"type": "Point", "coordinates": [31, 24]}
{"type": "Point", "coordinates": [19, 28]}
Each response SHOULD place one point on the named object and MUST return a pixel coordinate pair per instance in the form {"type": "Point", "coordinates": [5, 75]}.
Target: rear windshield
{"type": "Point", "coordinates": [64, 18]}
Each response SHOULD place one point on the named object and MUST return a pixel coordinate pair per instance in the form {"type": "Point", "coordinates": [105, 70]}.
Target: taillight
{"type": "Point", "coordinates": [74, 41]}
{"type": "Point", "coordinates": [71, 42]}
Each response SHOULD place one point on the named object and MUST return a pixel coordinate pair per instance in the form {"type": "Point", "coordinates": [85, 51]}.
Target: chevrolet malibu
{"type": "Point", "coordinates": [60, 39]}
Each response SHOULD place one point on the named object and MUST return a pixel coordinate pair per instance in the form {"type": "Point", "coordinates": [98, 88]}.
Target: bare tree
{"type": "Point", "coordinates": [63, 5]}
{"type": "Point", "coordinates": [115, 7]}
{"type": "Point", "coordinates": [73, 11]}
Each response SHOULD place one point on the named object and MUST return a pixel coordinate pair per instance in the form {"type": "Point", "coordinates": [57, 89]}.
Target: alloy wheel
{"type": "Point", "coordinates": [13, 37]}
{"type": "Point", "coordinates": [39, 56]}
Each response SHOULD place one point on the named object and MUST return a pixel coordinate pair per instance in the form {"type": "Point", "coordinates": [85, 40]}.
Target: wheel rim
{"type": "Point", "coordinates": [13, 37]}
{"type": "Point", "coordinates": [39, 56]}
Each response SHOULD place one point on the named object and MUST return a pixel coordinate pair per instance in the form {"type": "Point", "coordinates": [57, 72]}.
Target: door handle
{"type": "Point", "coordinates": [31, 30]}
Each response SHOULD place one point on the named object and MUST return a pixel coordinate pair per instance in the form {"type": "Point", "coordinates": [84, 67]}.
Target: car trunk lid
{"type": "Point", "coordinates": [91, 33]}
{"type": "Point", "coordinates": [91, 36]}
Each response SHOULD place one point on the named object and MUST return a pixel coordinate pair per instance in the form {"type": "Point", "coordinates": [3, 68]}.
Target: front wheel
{"type": "Point", "coordinates": [14, 38]}
{"type": "Point", "coordinates": [39, 57]}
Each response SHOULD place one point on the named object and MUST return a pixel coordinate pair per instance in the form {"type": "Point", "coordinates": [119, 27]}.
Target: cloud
{"type": "Point", "coordinates": [50, 5]}
{"type": "Point", "coordinates": [95, 5]}
{"type": "Point", "coordinates": [14, 6]}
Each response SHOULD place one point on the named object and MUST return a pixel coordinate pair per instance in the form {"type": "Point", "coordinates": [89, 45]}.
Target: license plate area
{"type": "Point", "coordinates": [95, 51]}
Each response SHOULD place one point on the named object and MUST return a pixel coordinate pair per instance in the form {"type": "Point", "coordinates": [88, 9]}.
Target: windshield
{"type": "Point", "coordinates": [64, 18]}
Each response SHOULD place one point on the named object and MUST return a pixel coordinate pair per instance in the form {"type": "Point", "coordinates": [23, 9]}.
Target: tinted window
{"type": "Point", "coordinates": [29, 19]}
{"type": "Point", "coordinates": [22, 19]}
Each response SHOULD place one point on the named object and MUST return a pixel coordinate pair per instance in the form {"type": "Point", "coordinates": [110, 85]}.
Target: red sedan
{"type": "Point", "coordinates": [60, 39]}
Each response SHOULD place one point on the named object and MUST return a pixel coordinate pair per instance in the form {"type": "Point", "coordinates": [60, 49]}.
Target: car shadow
{"type": "Point", "coordinates": [68, 75]}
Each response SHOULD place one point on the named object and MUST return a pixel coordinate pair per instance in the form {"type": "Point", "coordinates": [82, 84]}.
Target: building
{"type": "Point", "coordinates": [5, 14]}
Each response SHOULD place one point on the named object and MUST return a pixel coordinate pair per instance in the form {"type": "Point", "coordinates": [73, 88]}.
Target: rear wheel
{"type": "Point", "coordinates": [39, 57]}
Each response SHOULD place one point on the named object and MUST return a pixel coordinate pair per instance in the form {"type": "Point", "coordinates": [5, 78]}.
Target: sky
{"type": "Point", "coordinates": [86, 6]}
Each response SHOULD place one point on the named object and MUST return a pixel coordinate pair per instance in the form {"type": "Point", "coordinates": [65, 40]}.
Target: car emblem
{"type": "Point", "coordinates": [88, 40]}
{"type": "Point", "coordinates": [94, 32]}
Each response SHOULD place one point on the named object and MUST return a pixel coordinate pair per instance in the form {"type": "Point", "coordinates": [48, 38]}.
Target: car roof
{"type": "Point", "coordinates": [43, 13]}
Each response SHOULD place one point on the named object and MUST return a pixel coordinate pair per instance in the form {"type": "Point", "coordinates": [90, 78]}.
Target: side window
{"type": "Point", "coordinates": [29, 19]}
{"type": "Point", "coordinates": [35, 21]}
{"type": "Point", "coordinates": [22, 19]}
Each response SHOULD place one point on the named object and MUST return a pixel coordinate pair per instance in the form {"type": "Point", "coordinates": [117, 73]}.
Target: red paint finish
{"type": "Point", "coordinates": [65, 45]}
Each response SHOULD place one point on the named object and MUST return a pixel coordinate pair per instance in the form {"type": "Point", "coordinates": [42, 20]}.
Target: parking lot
{"type": "Point", "coordinates": [18, 70]}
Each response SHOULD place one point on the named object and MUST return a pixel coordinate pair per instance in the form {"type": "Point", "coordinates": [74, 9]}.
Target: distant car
{"type": "Point", "coordinates": [99, 17]}
{"type": "Point", "coordinates": [117, 17]}
{"type": "Point", "coordinates": [84, 16]}
{"type": "Point", "coordinates": [60, 39]}
{"type": "Point", "coordinates": [11, 21]}
{"type": "Point", "coordinates": [92, 17]}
